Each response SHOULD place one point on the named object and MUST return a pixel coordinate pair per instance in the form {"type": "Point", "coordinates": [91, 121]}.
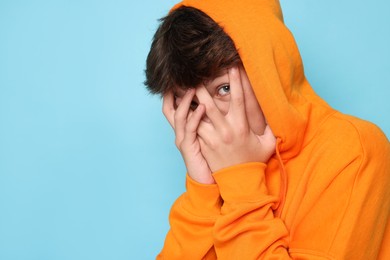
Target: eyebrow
{"type": "Point", "coordinates": [210, 81]}
{"type": "Point", "coordinates": [179, 92]}
{"type": "Point", "coordinates": [208, 84]}
{"type": "Point", "coordinates": [217, 81]}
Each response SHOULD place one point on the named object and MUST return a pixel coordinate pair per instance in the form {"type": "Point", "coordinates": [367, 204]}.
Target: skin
{"type": "Point", "coordinates": [226, 128]}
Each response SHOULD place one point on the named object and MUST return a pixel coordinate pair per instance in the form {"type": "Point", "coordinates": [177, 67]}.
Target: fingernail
{"type": "Point", "coordinates": [233, 69]}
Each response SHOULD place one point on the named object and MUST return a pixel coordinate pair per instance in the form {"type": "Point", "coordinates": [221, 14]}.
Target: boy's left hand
{"type": "Point", "coordinates": [227, 140]}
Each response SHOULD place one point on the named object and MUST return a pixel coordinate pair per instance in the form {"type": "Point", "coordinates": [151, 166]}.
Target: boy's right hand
{"type": "Point", "coordinates": [185, 123]}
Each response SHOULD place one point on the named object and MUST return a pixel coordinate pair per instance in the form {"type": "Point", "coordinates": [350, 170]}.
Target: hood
{"type": "Point", "coordinates": [272, 61]}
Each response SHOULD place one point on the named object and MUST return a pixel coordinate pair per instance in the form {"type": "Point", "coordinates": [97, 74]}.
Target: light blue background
{"type": "Point", "coordinates": [88, 168]}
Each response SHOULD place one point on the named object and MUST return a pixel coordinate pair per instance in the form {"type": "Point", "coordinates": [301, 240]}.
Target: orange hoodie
{"type": "Point", "coordinates": [325, 194]}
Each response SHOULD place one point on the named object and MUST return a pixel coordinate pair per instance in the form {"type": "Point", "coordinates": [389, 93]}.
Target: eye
{"type": "Point", "coordinates": [193, 105]}
{"type": "Point", "coordinates": [224, 90]}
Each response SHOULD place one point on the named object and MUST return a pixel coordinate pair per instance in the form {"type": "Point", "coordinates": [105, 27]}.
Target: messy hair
{"type": "Point", "coordinates": [187, 49]}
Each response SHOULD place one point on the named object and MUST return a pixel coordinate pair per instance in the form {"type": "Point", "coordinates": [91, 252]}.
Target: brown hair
{"type": "Point", "coordinates": [187, 49]}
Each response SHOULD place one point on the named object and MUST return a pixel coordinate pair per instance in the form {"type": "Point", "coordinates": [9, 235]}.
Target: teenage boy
{"type": "Point", "coordinates": [273, 172]}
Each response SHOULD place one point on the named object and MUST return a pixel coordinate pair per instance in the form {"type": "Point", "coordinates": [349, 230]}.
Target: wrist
{"type": "Point", "coordinates": [206, 179]}
{"type": "Point", "coordinates": [200, 199]}
{"type": "Point", "coordinates": [242, 182]}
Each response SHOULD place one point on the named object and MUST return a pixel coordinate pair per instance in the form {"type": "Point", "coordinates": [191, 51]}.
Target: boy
{"type": "Point", "coordinates": [316, 186]}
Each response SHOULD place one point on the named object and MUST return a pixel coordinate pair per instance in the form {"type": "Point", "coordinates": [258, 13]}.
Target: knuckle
{"type": "Point", "coordinates": [189, 127]}
{"type": "Point", "coordinates": [178, 117]}
{"type": "Point", "coordinates": [165, 110]}
{"type": "Point", "coordinates": [212, 145]}
{"type": "Point", "coordinates": [226, 136]}
{"type": "Point", "coordinates": [178, 144]}
{"type": "Point", "coordinates": [243, 127]}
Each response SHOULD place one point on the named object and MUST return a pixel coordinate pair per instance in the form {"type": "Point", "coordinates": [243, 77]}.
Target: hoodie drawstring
{"type": "Point", "coordinates": [283, 182]}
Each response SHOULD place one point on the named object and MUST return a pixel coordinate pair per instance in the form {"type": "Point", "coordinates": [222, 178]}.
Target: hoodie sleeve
{"type": "Point", "coordinates": [247, 227]}
{"type": "Point", "coordinates": [192, 218]}
{"type": "Point", "coordinates": [347, 220]}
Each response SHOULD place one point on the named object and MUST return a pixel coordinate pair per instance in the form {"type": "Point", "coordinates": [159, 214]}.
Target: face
{"type": "Point", "coordinates": [219, 90]}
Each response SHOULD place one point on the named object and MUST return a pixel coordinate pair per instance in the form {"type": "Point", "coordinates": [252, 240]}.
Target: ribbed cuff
{"type": "Point", "coordinates": [202, 200]}
{"type": "Point", "coordinates": [243, 182]}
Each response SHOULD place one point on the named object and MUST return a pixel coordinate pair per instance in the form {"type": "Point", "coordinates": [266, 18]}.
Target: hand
{"type": "Point", "coordinates": [185, 124]}
{"type": "Point", "coordinates": [227, 140]}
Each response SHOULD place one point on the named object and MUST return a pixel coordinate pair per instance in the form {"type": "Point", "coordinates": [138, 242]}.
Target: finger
{"type": "Point", "coordinates": [268, 138]}
{"type": "Point", "coordinates": [206, 132]}
{"type": "Point", "coordinates": [212, 110]}
{"type": "Point", "coordinates": [193, 122]}
{"type": "Point", "coordinates": [253, 110]}
{"type": "Point", "coordinates": [181, 114]}
{"type": "Point", "coordinates": [184, 106]}
{"type": "Point", "coordinates": [268, 131]}
{"type": "Point", "coordinates": [237, 103]}
{"type": "Point", "coordinates": [168, 108]}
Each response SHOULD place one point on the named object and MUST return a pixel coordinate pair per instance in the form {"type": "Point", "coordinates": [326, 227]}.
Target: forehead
{"type": "Point", "coordinates": [210, 84]}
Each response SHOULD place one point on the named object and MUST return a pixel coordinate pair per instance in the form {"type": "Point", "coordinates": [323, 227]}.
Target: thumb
{"type": "Point", "coordinates": [268, 139]}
